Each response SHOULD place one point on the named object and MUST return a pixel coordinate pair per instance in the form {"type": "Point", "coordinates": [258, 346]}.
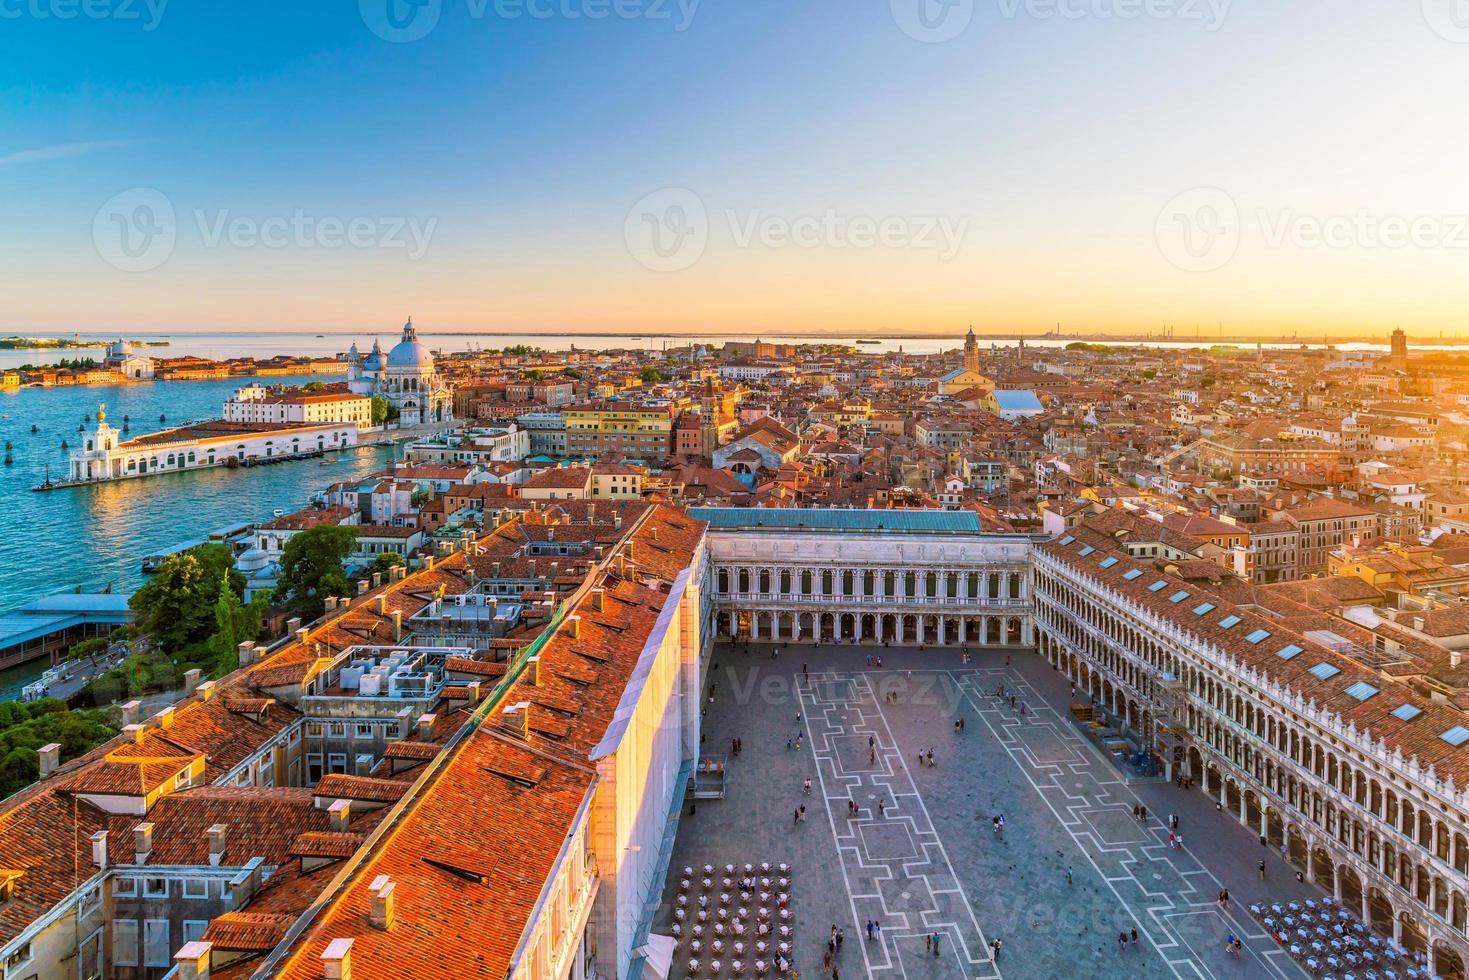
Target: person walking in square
{"type": "Point", "coordinates": [936, 938]}
{"type": "Point", "coordinates": [806, 787]}
{"type": "Point", "coordinates": [1134, 936]}
{"type": "Point", "coordinates": [927, 943]}
{"type": "Point", "coordinates": [795, 816]}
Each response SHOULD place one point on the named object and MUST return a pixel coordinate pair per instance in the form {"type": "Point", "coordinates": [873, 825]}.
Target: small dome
{"type": "Point", "coordinates": [410, 354]}
{"type": "Point", "coordinates": [121, 348]}
{"type": "Point", "coordinates": [252, 561]}
{"type": "Point", "coordinates": [374, 361]}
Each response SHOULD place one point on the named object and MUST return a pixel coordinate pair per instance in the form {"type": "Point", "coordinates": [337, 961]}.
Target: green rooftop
{"type": "Point", "coordinates": [837, 519]}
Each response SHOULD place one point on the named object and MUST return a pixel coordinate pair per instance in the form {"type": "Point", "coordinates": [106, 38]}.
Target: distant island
{"type": "Point", "coordinates": [58, 343]}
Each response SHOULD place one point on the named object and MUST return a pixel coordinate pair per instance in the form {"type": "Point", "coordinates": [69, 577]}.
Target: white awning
{"type": "Point", "coordinates": [658, 953]}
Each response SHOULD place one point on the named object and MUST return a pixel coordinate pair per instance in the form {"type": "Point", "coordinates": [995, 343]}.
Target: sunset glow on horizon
{"type": "Point", "coordinates": [711, 168]}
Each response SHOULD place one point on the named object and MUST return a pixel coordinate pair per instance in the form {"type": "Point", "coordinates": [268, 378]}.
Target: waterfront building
{"type": "Point", "coordinates": [279, 406]}
{"type": "Point", "coordinates": [480, 445]}
{"type": "Point", "coordinates": [405, 376]}
{"type": "Point", "coordinates": [104, 455]}
{"type": "Point", "coordinates": [121, 359]}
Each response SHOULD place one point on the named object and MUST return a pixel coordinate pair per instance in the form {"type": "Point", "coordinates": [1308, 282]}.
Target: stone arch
{"type": "Point", "coordinates": [1351, 887]}
{"type": "Point", "coordinates": [1411, 934]}
{"type": "Point", "coordinates": [1323, 871]}
{"type": "Point", "coordinates": [1447, 962]}
{"type": "Point", "coordinates": [1296, 849]}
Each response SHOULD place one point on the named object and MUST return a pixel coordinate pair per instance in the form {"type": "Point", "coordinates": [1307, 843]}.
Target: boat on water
{"type": "Point", "coordinates": [873, 342]}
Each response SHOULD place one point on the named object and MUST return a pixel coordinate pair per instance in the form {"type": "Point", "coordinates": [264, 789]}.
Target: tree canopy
{"type": "Point", "coordinates": [312, 568]}
{"type": "Point", "coordinates": [176, 606]}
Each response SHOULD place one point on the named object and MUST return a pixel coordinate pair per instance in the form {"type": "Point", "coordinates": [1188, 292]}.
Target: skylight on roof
{"type": "Point", "coordinates": [1135, 573]}
{"type": "Point", "coordinates": [1158, 586]}
{"type": "Point", "coordinates": [1203, 608]}
{"type": "Point", "coordinates": [1362, 690]}
{"type": "Point", "coordinates": [1457, 735]}
{"type": "Point", "coordinates": [1288, 651]}
{"type": "Point", "coordinates": [1068, 539]}
{"type": "Point", "coordinates": [1229, 622]}
{"type": "Point", "coordinates": [1258, 636]}
{"type": "Point", "coordinates": [1086, 551]}
{"type": "Point", "coordinates": [1325, 671]}
{"type": "Point", "coordinates": [1178, 596]}
{"type": "Point", "coordinates": [1406, 712]}
{"type": "Point", "coordinates": [1108, 562]}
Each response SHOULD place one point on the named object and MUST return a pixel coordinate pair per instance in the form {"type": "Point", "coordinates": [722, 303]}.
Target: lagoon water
{"type": "Point", "coordinates": [95, 535]}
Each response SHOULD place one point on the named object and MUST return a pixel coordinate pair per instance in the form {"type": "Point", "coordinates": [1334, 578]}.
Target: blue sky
{"type": "Point", "coordinates": [524, 141]}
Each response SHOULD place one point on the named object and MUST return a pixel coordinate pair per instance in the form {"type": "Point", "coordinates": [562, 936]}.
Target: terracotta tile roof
{"type": "Point", "coordinates": [253, 931]}
{"type": "Point", "coordinates": [254, 818]}
{"type": "Point", "coordinates": [326, 843]}
{"type": "Point", "coordinates": [369, 789]}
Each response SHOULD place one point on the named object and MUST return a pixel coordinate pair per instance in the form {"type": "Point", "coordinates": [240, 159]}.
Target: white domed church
{"type": "Point", "coordinates": [405, 376]}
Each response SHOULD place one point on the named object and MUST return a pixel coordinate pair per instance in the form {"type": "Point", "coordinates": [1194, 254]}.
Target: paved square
{"type": "Point", "coordinates": [920, 856]}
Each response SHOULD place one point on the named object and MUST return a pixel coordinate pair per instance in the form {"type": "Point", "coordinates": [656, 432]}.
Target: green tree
{"type": "Point", "coordinates": [312, 568]}
{"type": "Point", "coordinates": [176, 604]}
{"type": "Point", "coordinates": [385, 561]}
{"type": "Point", "coordinates": [532, 375]}
{"type": "Point", "coordinates": [651, 375]}
{"type": "Point", "coordinates": [314, 386]}
{"type": "Point", "coordinates": [572, 373]}
{"type": "Point", "coordinates": [381, 409]}
{"type": "Point", "coordinates": [229, 631]}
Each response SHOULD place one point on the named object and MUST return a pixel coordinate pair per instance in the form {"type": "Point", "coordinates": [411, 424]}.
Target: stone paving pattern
{"type": "Point", "coordinates": [929, 860]}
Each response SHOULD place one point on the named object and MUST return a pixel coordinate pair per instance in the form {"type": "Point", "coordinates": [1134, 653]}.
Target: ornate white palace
{"type": "Point", "coordinates": [1356, 776]}
{"type": "Point", "coordinates": [405, 376]}
{"type": "Point", "coordinates": [903, 577]}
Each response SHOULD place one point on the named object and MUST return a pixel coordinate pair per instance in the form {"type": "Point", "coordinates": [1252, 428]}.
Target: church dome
{"type": "Point", "coordinates": [409, 354]}
{"type": "Point", "coordinates": [374, 361]}
{"type": "Point", "coordinates": [121, 348]}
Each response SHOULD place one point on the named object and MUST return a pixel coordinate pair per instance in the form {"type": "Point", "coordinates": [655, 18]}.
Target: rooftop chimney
{"type": "Point", "coordinates": [597, 595]}
{"type": "Point", "coordinates": [534, 665]}
{"type": "Point", "coordinates": [377, 579]}
{"type": "Point", "coordinates": [340, 813]}
{"type": "Point", "coordinates": [428, 562]}
{"type": "Point", "coordinates": [191, 679]}
{"type": "Point", "coordinates": [130, 712]}
{"type": "Point", "coordinates": [50, 758]}
{"type": "Point", "coordinates": [331, 603]}
{"type": "Point", "coordinates": [164, 717]}
{"type": "Point", "coordinates": [397, 625]}
{"type": "Point", "coordinates": [337, 960]}
{"type": "Point", "coordinates": [382, 605]}
{"type": "Point", "coordinates": [382, 903]}
{"type": "Point", "coordinates": [362, 586]}
{"type": "Point", "coordinates": [217, 836]}
{"type": "Point", "coordinates": [135, 732]}
{"type": "Point", "coordinates": [99, 849]}
{"type": "Point", "coordinates": [303, 636]}
{"type": "Point", "coordinates": [519, 715]}
{"type": "Point", "coordinates": [574, 624]}
{"type": "Point", "coordinates": [617, 520]}
{"type": "Point", "coordinates": [426, 726]}
{"type": "Point", "coordinates": [247, 652]}
{"type": "Point", "coordinates": [193, 960]}
{"type": "Point", "coordinates": [142, 842]}
{"type": "Point", "coordinates": [293, 624]}
{"type": "Point", "coordinates": [206, 690]}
